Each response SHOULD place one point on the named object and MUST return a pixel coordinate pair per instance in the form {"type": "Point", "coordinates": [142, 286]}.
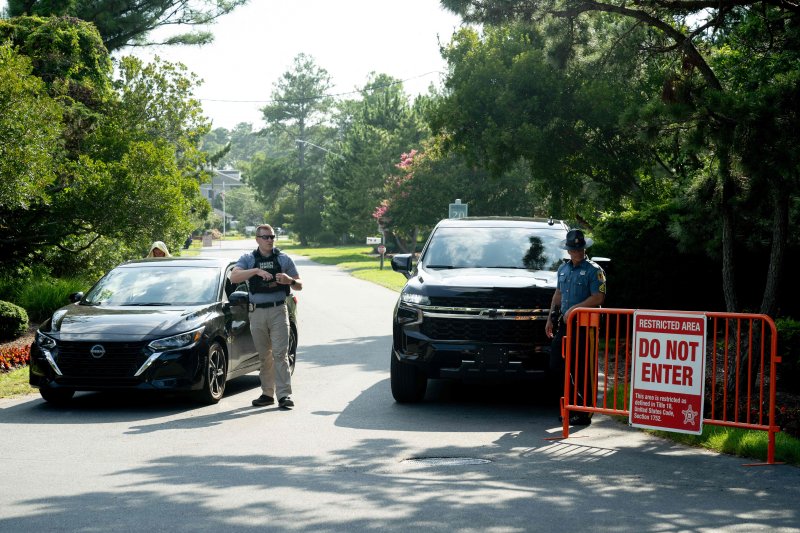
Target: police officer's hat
{"type": "Point", "coordinates": [576, 240]}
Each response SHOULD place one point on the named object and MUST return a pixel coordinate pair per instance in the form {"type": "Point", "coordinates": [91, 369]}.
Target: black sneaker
{"type": "Point", "coordinates": [286, 402]}
{"type": "Point", "coordinates": [263, 400]}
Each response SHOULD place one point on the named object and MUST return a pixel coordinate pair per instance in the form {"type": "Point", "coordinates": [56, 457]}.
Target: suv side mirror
{"type": "Point", "coordinates": [403, 263]}
{"type": "Point", "coordinates": [604, 262]}
{"type": "Point", "coordinates": [75, 297]}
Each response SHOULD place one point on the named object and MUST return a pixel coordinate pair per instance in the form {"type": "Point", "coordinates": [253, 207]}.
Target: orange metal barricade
{"type": "Point", "coordinates": [741, 363]}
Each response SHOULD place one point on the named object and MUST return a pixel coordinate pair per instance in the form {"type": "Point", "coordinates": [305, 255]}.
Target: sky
{"type": "Point", "coordinates": [256, 44]}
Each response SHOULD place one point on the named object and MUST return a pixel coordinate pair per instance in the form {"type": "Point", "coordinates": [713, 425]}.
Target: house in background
{"type": "Point", "coordinates": [221, 181]}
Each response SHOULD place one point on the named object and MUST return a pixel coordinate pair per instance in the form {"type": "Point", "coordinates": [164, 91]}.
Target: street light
{"type": "Point", "coordinates": [301, 141]}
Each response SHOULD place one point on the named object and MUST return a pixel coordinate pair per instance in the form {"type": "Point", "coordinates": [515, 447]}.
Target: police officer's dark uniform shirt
{"type": "Point", "coordinates": [577, 283]}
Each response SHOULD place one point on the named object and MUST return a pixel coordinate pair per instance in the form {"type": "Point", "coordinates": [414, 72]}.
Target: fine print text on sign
{"type": "Point", "coordinates": [668, 371]}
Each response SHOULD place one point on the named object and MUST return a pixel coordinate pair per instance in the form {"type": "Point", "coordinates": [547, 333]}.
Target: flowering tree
{"type": "Point", "coordinates": [427, 181]}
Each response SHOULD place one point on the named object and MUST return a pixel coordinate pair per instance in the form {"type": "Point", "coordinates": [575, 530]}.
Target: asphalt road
{"type": "Point", "coordinates": [347, 458]}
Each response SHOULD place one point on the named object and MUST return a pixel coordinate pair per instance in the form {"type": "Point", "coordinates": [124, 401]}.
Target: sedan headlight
{"type": "Point", "coordinates": [177, 341]}
{"type": "Point", "coordinates": [414, 298]}
{"type": "Point", "coordinates": [43, 341]}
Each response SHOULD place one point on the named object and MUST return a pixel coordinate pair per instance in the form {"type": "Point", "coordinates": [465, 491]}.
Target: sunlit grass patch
{"type": "Point", "coordinates": [15, 383]}
{"type": "Point", "coordinates": [359, 261]}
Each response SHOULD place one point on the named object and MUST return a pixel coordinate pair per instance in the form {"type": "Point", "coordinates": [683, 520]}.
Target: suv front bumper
{"type": "Point", "coordinates": [472, 344]}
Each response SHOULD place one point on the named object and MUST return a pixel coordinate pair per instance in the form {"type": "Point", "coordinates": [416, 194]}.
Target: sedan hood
{"type": "Point", "coordinates": [83, 322]}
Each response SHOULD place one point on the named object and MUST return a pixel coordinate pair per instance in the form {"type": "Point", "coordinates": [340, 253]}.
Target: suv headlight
{"type": "Point", "coordinates": [177, 341]}
{"type": "Point", "coordinates": [43, 341]}
{"type": "Point", "coordinates": [414, 298]}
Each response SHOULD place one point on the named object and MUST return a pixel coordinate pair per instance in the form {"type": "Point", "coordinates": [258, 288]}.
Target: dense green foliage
{"type": "Point", "coordinates": [714, 101]}
{"type": "Point", "coordinates": [373, 131]}
{"type": "Point", "coordinates": [13, 321]}
{"type": "Point", "coordinates": [29, 130]}
{"type": "Point", "coordinates": [122, 23]}
{"type": "Point", "coordinates": [290, 174]}
{"type": "Point", "coordinates": [671, 143]}
{"type": "Point", "coordinates": [118, 157]}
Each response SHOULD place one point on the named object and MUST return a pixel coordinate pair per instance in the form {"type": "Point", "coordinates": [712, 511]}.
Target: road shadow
{"type": "Point", "coordinates": [353, 489]}
{"type": "Point", "coordinates": [120, 406]}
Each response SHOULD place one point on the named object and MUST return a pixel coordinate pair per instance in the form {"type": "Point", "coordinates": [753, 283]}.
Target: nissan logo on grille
{"type": "Point", "coordinates": [97, 351]}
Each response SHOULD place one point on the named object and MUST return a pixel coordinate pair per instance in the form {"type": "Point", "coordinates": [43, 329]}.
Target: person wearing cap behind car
{"type": "Point", "coordinates": [269, 274]}
{"type": "Point", "coordinates": [581, 283]}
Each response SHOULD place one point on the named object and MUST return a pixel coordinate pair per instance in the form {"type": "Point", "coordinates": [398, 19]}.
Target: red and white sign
{"type": "Point", "coordinates": [381, 249]}
{"type": "Point", "coordinates": [668, 371]}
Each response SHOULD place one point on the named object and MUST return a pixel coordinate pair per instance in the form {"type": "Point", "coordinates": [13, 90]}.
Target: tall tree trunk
{"type": "Point", "coordinates": [728, 260]}
{"type": "Point", "coordinates": [780, 233]}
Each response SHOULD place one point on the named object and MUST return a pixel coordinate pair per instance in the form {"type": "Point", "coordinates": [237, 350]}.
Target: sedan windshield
{"type": "Point", "coordinates": [470, 247]}
{"type": "Point", "coordinates": [154, 285]}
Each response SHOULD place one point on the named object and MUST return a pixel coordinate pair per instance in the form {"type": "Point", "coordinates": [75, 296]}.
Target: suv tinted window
{"type": "Point", "coordinates": [495, 247]}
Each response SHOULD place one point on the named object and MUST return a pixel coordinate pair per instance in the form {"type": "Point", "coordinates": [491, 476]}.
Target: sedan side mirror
{"type": "Point", "coordinates": [239, 298]}
{"type": "Point", "coordinates": [75, 297]}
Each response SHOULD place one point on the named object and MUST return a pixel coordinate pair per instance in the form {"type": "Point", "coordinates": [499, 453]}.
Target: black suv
{"type": "Point", "coordinates": [475, 305]}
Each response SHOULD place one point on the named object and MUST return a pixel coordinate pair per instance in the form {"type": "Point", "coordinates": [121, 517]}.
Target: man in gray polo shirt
{"type": "Point", "coordinates": [269, 274]}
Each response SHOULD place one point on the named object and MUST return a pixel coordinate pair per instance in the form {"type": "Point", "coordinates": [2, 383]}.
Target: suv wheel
{"type": "Point", "coordinates": [408, 382]}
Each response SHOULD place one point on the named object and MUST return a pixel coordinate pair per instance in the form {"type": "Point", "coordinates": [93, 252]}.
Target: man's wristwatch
{"type": "Point", "coordinates": [293, 283]}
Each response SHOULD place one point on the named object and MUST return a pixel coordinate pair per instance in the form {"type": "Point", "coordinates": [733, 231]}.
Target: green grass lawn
{"type": "Point", "coordinates": [357, 260]}
{"type": "Point", "coordinates": [15, 383]}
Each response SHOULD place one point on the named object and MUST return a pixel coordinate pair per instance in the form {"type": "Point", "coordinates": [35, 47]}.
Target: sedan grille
{"type": "Point", "coordinates": [121, 359]}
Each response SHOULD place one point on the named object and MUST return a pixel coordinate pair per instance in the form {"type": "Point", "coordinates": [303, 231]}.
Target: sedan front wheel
{"type": "Point", "coordinates": [216, 373]}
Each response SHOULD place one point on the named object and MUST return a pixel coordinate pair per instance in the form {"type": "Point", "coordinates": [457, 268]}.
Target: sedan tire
{"type": "Point", "coordinates": [216, 372]}
{"type": "Point", "coordinates": [56, 396]}
{"type": "Point", "coordinates": [292, 352]}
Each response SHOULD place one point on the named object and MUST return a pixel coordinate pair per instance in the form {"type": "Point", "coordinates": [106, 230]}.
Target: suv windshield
{"type": "Point", "coordinates": [471, 247]}
{"type": "Point", "coordinates": [148, 284]}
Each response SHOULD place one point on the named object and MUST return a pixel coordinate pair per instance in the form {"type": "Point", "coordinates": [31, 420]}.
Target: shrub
{"type": "Point", "coordinates": [13, 321]}
{"type": "Point", "coordinates": [327, 238]}
{"type": "Point", "coordinates": [649, 270]}
{"type": "Point", "coordinates": [43, 296]}
{"type": "Point", "coordinates": [789, 350]}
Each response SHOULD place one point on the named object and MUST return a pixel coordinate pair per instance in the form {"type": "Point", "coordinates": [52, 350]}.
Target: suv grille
{"type": "Point", "coordinates": [121, 359]}
{"type": "Point", "coordinates": [491, 331]}
{"type": "Point", "coordinates": [498, 299]}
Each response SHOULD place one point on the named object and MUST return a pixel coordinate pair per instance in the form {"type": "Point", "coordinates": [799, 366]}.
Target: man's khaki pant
{"type": "Point", "coordinates": [270, 329]}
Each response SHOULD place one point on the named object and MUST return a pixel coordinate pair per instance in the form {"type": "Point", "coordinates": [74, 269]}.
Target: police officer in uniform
{"type": "Point", "coordinates": [581, 283]}
{"type": "Point", "coordinates": [270, 274]}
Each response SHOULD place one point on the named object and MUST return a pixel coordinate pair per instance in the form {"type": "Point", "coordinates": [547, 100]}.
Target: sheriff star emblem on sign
{"type": "Point", "coordinates": [689, 415]}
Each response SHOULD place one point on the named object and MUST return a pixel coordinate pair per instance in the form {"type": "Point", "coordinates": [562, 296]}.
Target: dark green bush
{"type": "Point", "coordinates": [43, 296]}
{"type": "Point", "coordinates": [13, 321]}
{"type": "Point", "coordinates": [789, 351]}
{"type": "Point", "coordinates": [648, 270]}
{"type": "Point", "coordinates": [327, 238]}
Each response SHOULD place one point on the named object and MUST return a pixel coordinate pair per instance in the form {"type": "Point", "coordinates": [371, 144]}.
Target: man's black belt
{"type": "Point", "coordinates": [270, 304]}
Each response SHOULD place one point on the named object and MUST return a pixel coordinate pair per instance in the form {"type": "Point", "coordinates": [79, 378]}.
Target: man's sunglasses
{"type": "Point", "coordinates": [266, 237]}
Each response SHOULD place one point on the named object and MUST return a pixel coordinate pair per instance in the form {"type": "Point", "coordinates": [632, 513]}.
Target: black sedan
{"type": "Point", "coordinates": [167, 324]}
